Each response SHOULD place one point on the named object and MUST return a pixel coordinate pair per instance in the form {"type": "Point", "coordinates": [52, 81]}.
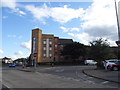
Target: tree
{"type": "Point", "coordinates": [20, 59]}
{"type": "Point", "coordinates": [74, 50]}
{"type": "Point", "coordinates": [99, 51]}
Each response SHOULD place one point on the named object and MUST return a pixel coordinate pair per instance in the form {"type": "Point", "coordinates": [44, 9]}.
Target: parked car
{"type": "Point", "coordinates": [90, 62]}
{"type": "Point", "coordinates": [106, 63]}
{"type": "Point", "coordinates": [12, 65]}
{"type": "Point", "coordinates": [115, 66]}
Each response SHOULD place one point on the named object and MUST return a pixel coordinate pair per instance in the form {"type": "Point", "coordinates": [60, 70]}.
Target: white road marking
{"type": "Point", "coordinates": [59, 70]}
{"type": "Point", "coordinates": [90, 77]}
{"type": "Point", "coordinates": [105, 82]}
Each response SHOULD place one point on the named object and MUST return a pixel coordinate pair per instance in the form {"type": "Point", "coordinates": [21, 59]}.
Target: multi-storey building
{"type": "Point", "coordinates": [46, 47]}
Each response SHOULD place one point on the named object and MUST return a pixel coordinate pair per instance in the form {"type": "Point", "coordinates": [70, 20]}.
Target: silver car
{"type": "Point", "coordinates": [106, 63]}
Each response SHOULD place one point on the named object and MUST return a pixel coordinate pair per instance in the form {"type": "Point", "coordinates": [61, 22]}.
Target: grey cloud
{"type": "Point", "coordinates": [102, 31]}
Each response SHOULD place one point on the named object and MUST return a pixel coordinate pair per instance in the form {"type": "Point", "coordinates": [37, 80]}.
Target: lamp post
{"type": "Point", "coordinates": [34, 52]}
{"type": "Point", "coordinates": [118, 26]}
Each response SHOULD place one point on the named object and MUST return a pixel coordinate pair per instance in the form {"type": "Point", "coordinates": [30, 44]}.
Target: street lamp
{"type": "Point", "coordinates": [118, 26]}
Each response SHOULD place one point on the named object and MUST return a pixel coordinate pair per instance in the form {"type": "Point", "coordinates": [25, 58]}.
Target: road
{"type": "Point", "coordinates": [52, 77]}
{"type": "Point", "coordinates": [75, 73]}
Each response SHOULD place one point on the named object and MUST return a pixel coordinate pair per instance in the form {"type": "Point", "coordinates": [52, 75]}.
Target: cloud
{"type": "Point", "coordinates": [26, 45]}
{"type": "Point", "coordinates": [4, 17]}
{"type": "Point", "coordinates": [65, 14]}
{"type": "Point", "coordinates": [1, 52]}
{"type": "Point", "coordinates": [13, 6]}
{"type": "Point", "coordinates": [18, 11]}
{"type": "Point", "coordinates": [13, 57]}
{"type": "Point", "coordinates": [20, 37]}
{"type": "Point", "coordinates": [71, 34]}
{"type": "Point", "coordinates": [86, 38]}
{"type": "Point", "coordinates": [83, 37]}
{"type": "Point", "coordinates": [15, 36]}
{"type": "Point", "coordinates": [70, 29]}
{"type": "Point", "coordinates": [98, 21]}
{"type": "Point", "coordinates": [58, 14]}
{"type": "Point", "coordinates": [18, 53]}
{"type": "Point", "coordinates": [12, 36]}
{"type": "Point", "coordinates": [8, 3]}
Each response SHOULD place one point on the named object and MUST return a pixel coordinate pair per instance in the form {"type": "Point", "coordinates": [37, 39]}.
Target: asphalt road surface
{"type": "Point", "coordinates": [52, 77]}
{"type": "Point", "coordinates": [75, 73]}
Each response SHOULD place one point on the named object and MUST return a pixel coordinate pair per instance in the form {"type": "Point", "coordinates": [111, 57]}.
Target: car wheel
{"type": "Point", "coordinates": [115, 68]}
{"type": "Point", "coordinates": [108, 67]}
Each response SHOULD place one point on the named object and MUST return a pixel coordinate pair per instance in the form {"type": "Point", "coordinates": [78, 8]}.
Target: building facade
{"type": "Point", "coordinates": [46, 47]}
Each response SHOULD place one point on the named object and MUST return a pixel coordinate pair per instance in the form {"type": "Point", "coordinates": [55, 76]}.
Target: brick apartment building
{"type": "Point", "coordinates": [46, 47]}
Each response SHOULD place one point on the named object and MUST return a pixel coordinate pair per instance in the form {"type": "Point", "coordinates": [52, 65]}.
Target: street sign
{"type": "Point", "coordinates": [34, 54]}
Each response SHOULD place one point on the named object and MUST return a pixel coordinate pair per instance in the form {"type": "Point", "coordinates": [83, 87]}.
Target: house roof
{"type": "Point", "coordinates": [6, 58]}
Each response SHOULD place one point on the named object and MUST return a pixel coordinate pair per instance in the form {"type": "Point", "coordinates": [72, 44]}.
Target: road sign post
{"type": "Point", "coordinates": [118, 43]}
{"type": "Point", "coordinates": [118, 26]}
{"type": "Point", "coordinates": [35, 60]}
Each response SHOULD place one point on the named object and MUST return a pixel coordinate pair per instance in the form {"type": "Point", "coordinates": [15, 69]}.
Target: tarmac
{"type": "Point", "coordinates": [111, 76]}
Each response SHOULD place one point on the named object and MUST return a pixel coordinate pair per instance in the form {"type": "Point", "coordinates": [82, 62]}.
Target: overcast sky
{"type": "Point", "coordinates": [82, 21]}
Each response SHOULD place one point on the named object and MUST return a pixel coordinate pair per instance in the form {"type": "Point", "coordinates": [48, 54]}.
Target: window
{"type": "Point", "coordinates": [50, 42]}
{"type": "Point", "coordinates": [44, 39]}
{"type": "Point", "coordinates": [44, 51]}
{"type": "Point", "coordinates": [50, 39]}
{"type": "Point", "coordinates": [56, 53]}
{"type": "Point", "coordinates": [61, 45]}
{"type": "Point", "coordinates": [44, 55]}
{"type": "Point", "coordinates": [44, 45]}
{"type": "Point", "coordinates": [44, 42]}
{"type": "Point", "coordinates": [50, 48]}
{"type": "Point", "coordinates": [55, 46]}
{"type": "Point", "coordinates": [50, 55]}
{"type": "Point", "coordinates": [50, 45]}
{"type": "Point", "coordinates": [50, 52]}
{"type": "Point", "coordinates": [44, 48]}
{"type": "Point", "coordinates": [50, 58]}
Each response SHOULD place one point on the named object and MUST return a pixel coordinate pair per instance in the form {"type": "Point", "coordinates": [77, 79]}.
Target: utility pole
{"type": "Point", "coordinates": [118, 26]}
{"type": "Point", "coordinates": [34, 52]}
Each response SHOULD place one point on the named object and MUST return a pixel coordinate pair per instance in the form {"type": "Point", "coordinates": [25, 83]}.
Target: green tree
{"type": "Point", "coordinates": [99, 51]}
{"type": "Point", "coordinates": [20, 59]}
{"type": "Point", "coordinates": [74, 50]}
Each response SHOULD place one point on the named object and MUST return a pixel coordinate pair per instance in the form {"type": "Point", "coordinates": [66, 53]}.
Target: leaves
{"type": "Point", "coordinates": [74, 50]}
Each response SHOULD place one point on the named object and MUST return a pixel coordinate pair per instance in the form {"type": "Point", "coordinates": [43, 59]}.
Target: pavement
{"type": "Point", "coordinates": [111, 76]}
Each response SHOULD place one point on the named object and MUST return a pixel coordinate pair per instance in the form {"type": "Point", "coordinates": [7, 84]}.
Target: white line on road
{"type": "Point", "coordinates": [105, 82]}
{"type": "Point", "coordinates": [59, 70]}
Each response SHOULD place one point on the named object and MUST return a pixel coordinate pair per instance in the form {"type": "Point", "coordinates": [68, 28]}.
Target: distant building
{"type": "Point", "coordinates": [7, 60]}
{"type": "Point", "coordinates": [47, 47]}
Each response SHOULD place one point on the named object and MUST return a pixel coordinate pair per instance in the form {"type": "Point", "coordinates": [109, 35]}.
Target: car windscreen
{"type": "Point", "coordinates": [112, 61]}
{"type": "Point", "coordinates": [117, 62]}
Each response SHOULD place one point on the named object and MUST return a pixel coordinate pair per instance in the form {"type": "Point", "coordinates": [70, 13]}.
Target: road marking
{"type": "Point", "coordinates": [59, 70]}
{"type": "Point", "coordinates": [89, 82]}
{"type": "Point", "coordinates": [90, 77]}
{"type": "Point", "coordinates": [105, 82]}
{"type": "Point", "coordinates": [5, 84]}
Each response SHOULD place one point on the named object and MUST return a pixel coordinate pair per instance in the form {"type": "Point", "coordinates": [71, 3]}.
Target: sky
{"type": "Point", "coordinates": [82, 21]}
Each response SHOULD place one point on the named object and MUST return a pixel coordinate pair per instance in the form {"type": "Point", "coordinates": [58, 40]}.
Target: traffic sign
{"type": "Point", "coordinates": [35, 54]}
